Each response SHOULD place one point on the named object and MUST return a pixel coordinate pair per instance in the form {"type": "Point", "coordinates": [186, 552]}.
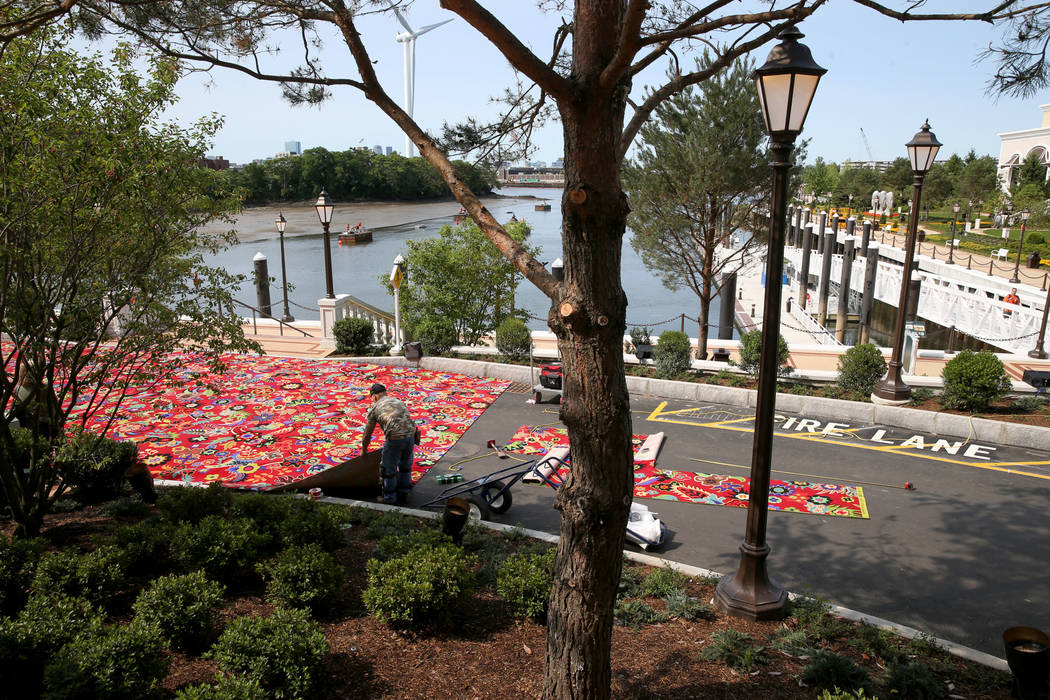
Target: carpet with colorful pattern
{"type": "Point", "coordinates": [269, 421]}
{"type": "Point", "coordinates": [708, 489]}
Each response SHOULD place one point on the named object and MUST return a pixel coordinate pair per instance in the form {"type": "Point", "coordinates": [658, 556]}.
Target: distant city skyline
{"type": "Point", "coordinates": [887, 84]}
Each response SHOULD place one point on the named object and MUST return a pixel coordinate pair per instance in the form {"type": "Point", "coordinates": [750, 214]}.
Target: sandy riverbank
{"type": "Point", "coordinates": [256, 223]}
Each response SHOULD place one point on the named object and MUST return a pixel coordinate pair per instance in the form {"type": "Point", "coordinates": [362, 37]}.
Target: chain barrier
{"type": "Point", "coordinates": [676, 317]}
{"type": "Point", "coordinates": [1005, 340]}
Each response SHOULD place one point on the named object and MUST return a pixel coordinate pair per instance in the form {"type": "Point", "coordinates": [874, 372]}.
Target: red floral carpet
{"type": "Point", "coordinates": [270, 421]}
{"type": "Point", "coordinates": [710, 489]}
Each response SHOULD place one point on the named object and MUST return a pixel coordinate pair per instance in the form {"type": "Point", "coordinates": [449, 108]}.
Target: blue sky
{"type": "Point", "coordinates": [883, 76]}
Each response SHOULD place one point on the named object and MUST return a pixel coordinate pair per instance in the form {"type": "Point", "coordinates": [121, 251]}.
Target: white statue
{"type": "Point", "coordinates": [875, 202]}
{"type": "Point", "coordinates": [888, 206]}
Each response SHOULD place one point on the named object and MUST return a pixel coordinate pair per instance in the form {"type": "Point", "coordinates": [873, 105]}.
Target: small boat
{"type": "Point", "coordinates": [355, 235]}
{"type": "Point", "coordinates": [543, 207]}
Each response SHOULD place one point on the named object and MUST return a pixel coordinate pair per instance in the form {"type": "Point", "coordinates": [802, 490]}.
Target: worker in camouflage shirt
{"type": "Point", "coordinates": [399, 431]}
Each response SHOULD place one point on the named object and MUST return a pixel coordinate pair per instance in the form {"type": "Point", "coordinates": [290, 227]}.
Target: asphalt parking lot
{"type": "Point", "coordinates": [961, 555]}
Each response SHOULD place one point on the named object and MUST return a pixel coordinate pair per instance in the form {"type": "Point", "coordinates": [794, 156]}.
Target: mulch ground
{"type": "Point", "coordinates": [487, 654]}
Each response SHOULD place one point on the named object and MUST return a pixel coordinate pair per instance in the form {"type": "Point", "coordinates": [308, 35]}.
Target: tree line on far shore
{"type": "Point", "coordinates": [349, 175]}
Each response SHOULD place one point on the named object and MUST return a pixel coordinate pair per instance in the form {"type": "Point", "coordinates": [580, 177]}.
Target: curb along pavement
{"type": "Point", "coordinates": [694, 571]}
{"type": "Point", "coordinates": [931, 422]}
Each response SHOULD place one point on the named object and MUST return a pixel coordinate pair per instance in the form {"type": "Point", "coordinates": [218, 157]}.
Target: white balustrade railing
{"type": "Point", "coordinates": [966, 303]}
{"type": "Point", "coordinates": [382, 321]}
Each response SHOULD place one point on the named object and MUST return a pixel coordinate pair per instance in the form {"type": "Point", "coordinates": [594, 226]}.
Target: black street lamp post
{"type": "Point", "coordinates": [786, 85]}
{"type": "Point", "coordinates": [922, 149]}
{"type": "Point", "coordinates": [281, 222]}
{"type": "Point", "coordinates": [1038, 353]}
{"type": "Point", "coordinates": [1025, 213]}
{"type": "Point", "coordinates": [951, 241]}
{"type": "Point", "coordinates": [325, 207]}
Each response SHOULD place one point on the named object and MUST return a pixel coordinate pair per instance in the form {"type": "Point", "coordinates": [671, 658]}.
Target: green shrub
{"type": "Point", "coordinates": [309, 522]}
{"type": "Point", "coordinates": [636, 614]}
{"type": "Point", "coordinates": [837, 694]}
{"type": "Point", "coordinates": [524, 583]}
{"type": "Point", "coordinates": [436, 335]}
{"type": "Point", "coordinates": [860, 368]}
{"type": "Point", "coordinates": [46, 624]}
{"type": "Point", "coordinates": [398, 545]}
{"type": "Point", "coordinates": [18, 560]}
{"type": "Point", "coordinates": [121, 661]}
{"type": "Point", "coordinates": [95, 465]}
{"type": "Point", "coordinates": [673, 354]}
{"type": "Point", "coordinates": [266, 511]}
{"type": "Point", "coordinates": [916, 681]}
{"type": "Point", "coordinates": [282, 652]}
{"type": "Point", "coordinates": [422, 587]}
{"type": "Point", "coordinates": [188, 504]}
{"type": "Point", "coordinates": [221, 548]}
{"type": "Point", "coordinates": [1029, 404]}
{"type": "Point", "coordinates": [126, 507]}
{"type": "Point", "coordinates": [794, 642]}
{"type": "Point", "coordinates": [920, 395]}
{"type": "Point", "coordinates": [751, 354]}
{"type": "Point", "coordinates": [735, 649]}
{"type": "Point", "coordinates": [815, 617]}
{"type": "Point", "coordinates": [685, 607]}
{"type": "Point", "coordinates": [66, 504]}
{"type": "Point", "coordinates": [390, 523]}
{"type": "Point", "coordinates": [628, 586]}
{"type": "Point", "coordinates": [352, 335]}
{"type": "Point", "coordinates": [145, 545]}
{"type": "Point", "coordinates": [875, 642]}
{"type": "Point", "coordinates": [181, 608]}
{"type": "Point", "coordinates": [302, 577]}
{"type": "Point", "coordinates": [828, 670]}
{"type": "Point", "coordinates": [97, 575]}
{"type": "Point", "coordinates": [226, 688]}
{"type": "Point", "coordinates": [513, 338]}
{"type": "Point", "coordinates": [1036, 238]}
{"type": "Point", "coordinates": [664, 582]}
{"type": "Point", "coordinates": [973, 380]}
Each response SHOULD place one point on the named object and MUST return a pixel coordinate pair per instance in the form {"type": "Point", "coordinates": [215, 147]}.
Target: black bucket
{"type": "Point", "coordinates": [1028, 655]}
{"type": "Point", "coordinates": [454, 519]}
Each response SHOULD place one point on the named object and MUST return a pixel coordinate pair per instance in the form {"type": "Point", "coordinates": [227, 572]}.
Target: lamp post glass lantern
{"type": "Point", "coordinates": [280, 222]}
{"type": "Point", "coordinates": [1025, 213]}
{"type": "Point", "coordinates": [786, 84]}
{"type": "Point", "coordinates": [325, 207]}
{"type": "Point", "coordinates": [922, 150]}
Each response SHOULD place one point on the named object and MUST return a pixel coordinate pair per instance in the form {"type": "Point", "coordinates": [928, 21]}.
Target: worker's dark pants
{"type": "Point", "coordinates": [396, 469]}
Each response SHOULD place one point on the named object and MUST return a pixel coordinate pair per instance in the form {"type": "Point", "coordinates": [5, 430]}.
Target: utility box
{"type": "Point", "coordinates": [413, 351]}
{"type": "Point", "coordinates": [1034, 260]}
{"type": "Point", "coordinates": [1037, 378]}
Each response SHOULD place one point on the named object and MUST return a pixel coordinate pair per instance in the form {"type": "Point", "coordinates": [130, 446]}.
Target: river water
{"type": "Point", "coordinates": [356, 268]}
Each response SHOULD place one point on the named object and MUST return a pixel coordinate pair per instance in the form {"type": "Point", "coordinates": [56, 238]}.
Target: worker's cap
{"type": "Point", "coordinates": [377, 389]}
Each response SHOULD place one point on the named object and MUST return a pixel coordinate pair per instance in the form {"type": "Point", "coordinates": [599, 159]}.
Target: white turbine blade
{"type": "Point", "coordinates": [424, 30]}
{"type": "Point", "coordinates": [400, 17]}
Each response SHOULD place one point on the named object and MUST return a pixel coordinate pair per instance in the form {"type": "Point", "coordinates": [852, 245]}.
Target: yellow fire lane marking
{"type": "Point", "coordinates": [909, 450]}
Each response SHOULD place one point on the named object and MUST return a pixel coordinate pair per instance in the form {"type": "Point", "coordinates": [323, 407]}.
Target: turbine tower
{"type": "Point", "coordinates": [408, 38]}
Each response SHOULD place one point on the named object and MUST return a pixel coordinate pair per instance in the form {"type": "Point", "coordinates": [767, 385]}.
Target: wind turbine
{"type": "Point", "coordinates": [408, 38]}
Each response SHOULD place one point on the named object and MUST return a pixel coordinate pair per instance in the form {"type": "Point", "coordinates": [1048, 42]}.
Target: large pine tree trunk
{"type": "Point", "coordinates": [589, 319]}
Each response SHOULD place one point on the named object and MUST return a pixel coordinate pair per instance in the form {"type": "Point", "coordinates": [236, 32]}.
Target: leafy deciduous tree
{"type": "Point", "coordinates": [100, 262]}
{"type": "Point", "coordinates": [460, 277]}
